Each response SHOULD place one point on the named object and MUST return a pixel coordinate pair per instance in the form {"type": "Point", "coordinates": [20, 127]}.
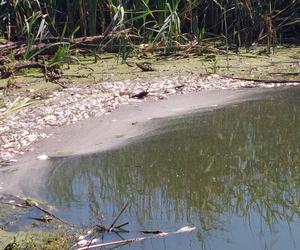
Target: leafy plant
{"type": "Point", "coordinates": [212, 66]}
{"type": "Point", "coordinates": [34, 21]}
{"type": "Point", "coordinates": [170, 31]}
{"type": "Point", "coordinates": [62, 56]}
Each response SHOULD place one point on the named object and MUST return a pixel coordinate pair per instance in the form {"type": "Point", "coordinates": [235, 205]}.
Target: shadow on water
{"type": "Point", "coordinates": [234, 173]}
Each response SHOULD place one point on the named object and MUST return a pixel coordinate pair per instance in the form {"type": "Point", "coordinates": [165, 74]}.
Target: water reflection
{"type": "Point", "coordinates": [234, 173]}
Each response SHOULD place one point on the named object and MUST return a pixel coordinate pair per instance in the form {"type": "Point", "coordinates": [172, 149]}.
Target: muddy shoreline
{"type": "Point", "coordinates": [125, 125]}
{"type": "Point", "coordinates": [20, 130]}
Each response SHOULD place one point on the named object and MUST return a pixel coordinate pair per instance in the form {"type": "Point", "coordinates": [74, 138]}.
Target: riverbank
{"type": "Point", "coordinates": [107, 131]}
{"type": "Point", "coordinates": [29, 104]}
{"type": "Point", "coordinates": [20, 130]}
{"type": "Point", "coordinates": [130, 124]}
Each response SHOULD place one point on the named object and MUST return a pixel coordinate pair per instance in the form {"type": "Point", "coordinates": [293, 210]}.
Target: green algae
{"type": "Point", "coordinates": [108, 67]}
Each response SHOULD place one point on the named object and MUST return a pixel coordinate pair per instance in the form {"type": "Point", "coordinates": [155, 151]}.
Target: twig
{"type": "Point", "coordinates": [29, 203]}
{"type": "Point", "coordinates": [129, 64]}
{"type": "Point", "coordinates": [151, 232]}
{"type": "Point", "coordinates": [60, 84]}
{"type": "Point", "coordinates": [52, 215]}
{"type": "Point", "coordinates": [118, 216]}
{"type": "Point", "coordinates": [45, 219]}
{"type": "Point", "coordinates": [102, 228]}
{"type": "Point", "coordinates": [122, 225]}
{"type": "Point", "coordinates": [14, 204]}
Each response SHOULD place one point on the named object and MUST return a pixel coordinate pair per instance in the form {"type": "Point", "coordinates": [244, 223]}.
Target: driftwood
{"type": "Point", "coordinates": [156, 234]}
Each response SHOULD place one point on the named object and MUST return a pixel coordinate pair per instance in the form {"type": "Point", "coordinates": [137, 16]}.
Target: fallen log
{"type": "Point", "coordinates": [109, 43]}
{"type": "Point", "coordinates": [6, 72]}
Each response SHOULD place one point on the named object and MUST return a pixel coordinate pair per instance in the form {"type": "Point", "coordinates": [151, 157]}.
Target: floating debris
{"type": "Point", "coordinates": [96, 243]}
{"type": "Point", "coordinates": [94, 238]}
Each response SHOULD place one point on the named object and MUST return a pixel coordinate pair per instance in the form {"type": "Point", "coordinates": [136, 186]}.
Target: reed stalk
{"type": "Point", "coordinates": [246, 22]}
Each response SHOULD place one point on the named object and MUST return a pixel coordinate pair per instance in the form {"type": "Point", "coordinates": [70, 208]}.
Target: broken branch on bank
{"type": "Point", "coordinates": [261, 80]}
{"type": "Point", "coordinates": [7, 71]}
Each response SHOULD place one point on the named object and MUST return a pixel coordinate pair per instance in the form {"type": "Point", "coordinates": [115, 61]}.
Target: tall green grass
{"type": "Point", "coordinates": [238, 22]}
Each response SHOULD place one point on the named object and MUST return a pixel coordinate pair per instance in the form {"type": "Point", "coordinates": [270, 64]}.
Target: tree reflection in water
{"type": "Point", "coordinates": [242, 161]}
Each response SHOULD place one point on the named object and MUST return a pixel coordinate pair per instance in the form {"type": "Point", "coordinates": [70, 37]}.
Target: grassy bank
{"type": "Point", "coordinates": [55, 33]}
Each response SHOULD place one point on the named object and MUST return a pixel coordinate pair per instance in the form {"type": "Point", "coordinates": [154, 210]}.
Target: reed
{"type": "Point", "coordinates": [237, 22]}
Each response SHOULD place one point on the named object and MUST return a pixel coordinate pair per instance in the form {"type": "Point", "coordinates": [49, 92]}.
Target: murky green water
{"type": "Point", "coordinates": [234, 173]}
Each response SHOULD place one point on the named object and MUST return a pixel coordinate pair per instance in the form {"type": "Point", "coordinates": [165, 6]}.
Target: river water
{"type": "Point", "coordinates": [233, 173]}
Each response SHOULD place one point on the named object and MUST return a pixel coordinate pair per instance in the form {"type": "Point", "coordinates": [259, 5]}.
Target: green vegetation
{"type": "Point", "coordinates": [63, 30]}
{"type": "Point", "coordinates": [163, 23]}
{"type": "Point", "coordinates": [237, 21]}
{"type": "Point", "coordinates": [33, 241]}
{"type": "Point", "coordinates": [248, 65]}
